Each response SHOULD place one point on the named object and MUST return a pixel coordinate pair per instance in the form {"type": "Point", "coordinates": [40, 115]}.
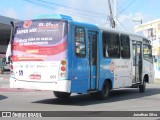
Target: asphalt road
{"type": "Point", "coordinates": [120, 100]}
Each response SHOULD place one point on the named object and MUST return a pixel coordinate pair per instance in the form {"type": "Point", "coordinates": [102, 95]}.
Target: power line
{"type": "Point", "coordinates": [74, 13]}
{"type": "Point", "coordinates": [141, 2]}
{"type": "Point", "coordinates": [122, 25]}
{"type": "Point", "coordinates": [51, 3]}
{"type": "Point", "coordinates": [119, 7]}
{"type": "Point", "coordinates": [103, 24]}
{"type": "Point", "coordinates": [39, 4]}
{"type": "Point", "coordinates": [97, 21]}
{"type": "Point", "coordinates": [126, 7]}
{"type": "Point", "coordinates": [51, 7]}
{"type": "Point", "coordinates": [144, 3]}
{"type": "Point", "coordinates": [46, 4]}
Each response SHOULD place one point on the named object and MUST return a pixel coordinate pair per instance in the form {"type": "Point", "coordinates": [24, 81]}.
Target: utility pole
{"type": "Point", "coordinates": [112, 21]}
{"type": "Point", "coordinates": [115, 12]}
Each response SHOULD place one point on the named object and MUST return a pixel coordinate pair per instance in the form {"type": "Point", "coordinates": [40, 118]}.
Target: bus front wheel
{"type": "Point", "coordinates": [142, 87]}
{"type": "Point", "coordinates": [61, 94]}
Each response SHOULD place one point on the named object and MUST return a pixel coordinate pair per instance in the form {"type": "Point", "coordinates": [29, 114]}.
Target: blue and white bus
{"type": "Point", "coordinates": [66, 57]}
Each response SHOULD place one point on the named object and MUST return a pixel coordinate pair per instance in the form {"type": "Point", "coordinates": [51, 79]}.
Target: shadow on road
{"type": "Point", "coordinates": [2, 97]}
{"type": "Point", "coordinates": [116, 95]}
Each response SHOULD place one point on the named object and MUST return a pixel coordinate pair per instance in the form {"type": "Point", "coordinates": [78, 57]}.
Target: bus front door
{"type": "Point", "coordinates": [92, 50]}
{"type": "Point", "coordinates": [137, 62]}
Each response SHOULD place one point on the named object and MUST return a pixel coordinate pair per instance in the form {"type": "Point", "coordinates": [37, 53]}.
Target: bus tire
{"type": "Point", "coordinates": [142, 87]}
{"type": "Point", "coordinates": [104, 93]}
{"type": "Point", "coordinates": [61, 94]}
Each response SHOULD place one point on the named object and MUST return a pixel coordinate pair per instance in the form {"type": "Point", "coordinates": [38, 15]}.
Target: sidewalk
{"type": "Point", "coordinates": [4, 80]}
{"type": "Point", "coordinates": [157, 81]}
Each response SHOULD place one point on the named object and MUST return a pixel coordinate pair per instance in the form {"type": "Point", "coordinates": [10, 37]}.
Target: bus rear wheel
{"type": "Point", "coordinates": [61, 94]}
{"type": "Point", "coordinates": [104, 94]}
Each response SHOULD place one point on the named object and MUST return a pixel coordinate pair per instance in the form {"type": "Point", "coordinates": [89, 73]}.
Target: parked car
{"type": "Point", "coordinates": [6, 67]}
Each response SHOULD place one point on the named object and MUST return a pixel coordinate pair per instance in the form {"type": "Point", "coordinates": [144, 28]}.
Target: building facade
{"type": "Point", "coordinates": [151, 30]}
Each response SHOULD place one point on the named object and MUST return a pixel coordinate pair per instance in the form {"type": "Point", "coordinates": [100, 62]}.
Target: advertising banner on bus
{"type": "Point", "coordinates": [40, 40]}
{"type": "Point", "coordinates": [38, 47]}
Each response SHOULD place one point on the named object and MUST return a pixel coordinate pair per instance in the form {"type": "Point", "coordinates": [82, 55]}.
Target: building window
{"type": "Point", "coordinates": [158, 26]}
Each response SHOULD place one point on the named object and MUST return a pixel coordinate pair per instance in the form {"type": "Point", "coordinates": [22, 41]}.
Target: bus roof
{"type": "Point", "coordinates": [92, 26]}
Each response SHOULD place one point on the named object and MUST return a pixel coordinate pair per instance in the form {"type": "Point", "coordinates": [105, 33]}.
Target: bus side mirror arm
{"type": "Point", "coordinates": [8, 52]}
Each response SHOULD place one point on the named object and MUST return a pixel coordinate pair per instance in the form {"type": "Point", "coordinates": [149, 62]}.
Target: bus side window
{"type": "Point", "coordinates": [147, 52]}
{"type": "Point", "coordinates": [80, 42]}
{"type": "Point", "coordinates": [111, 45]}
{"type": "Point", "coordinates": [105, 47]}
{"type": "Point", "coordinates": [125, 47]}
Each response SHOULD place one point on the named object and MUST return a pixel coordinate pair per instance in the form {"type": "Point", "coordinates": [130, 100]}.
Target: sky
{"type": "Point", "coordinates": [90, 11]}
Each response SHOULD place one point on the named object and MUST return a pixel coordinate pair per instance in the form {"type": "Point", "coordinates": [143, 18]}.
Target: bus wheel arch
{"type": "Point", "coordinates": [146, 78]}
{"type": "Point", "coordinates": [63, 95]}
{"type": "Point", "coordinates": [105, 92]}
{"type": "Point", "coordinates": [107, 85]}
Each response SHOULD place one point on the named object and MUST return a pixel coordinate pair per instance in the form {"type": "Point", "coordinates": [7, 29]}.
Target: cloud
{"type": "Point", "coordinates": [10, 12]}
{"type": "Point", "coordinates": [91, 11]}
{"type": "Point", "coordinates": [139, 16]}
{"type": "Point", "coordinates": [30, 12]}
{"type": "Point", "coordinates": [127, 22]}
{"type": "Point", "coordinates": [95, 12]}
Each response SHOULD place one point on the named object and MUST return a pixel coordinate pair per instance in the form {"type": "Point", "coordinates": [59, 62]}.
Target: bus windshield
{"type": "Point", "coordinates": [39, 40]}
